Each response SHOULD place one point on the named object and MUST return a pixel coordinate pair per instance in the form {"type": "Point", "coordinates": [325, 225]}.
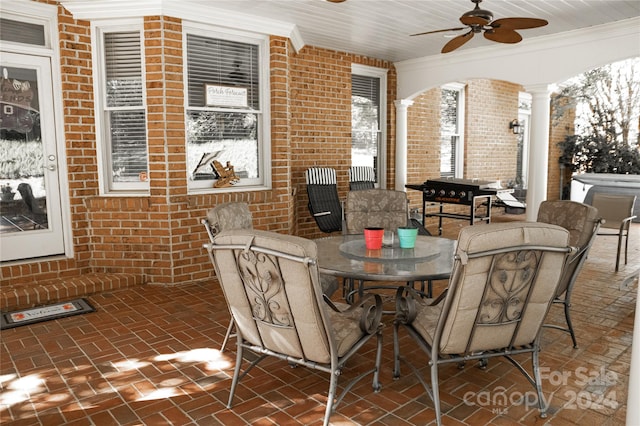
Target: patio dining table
{"type": "Point", "coordinates": [347, 256]}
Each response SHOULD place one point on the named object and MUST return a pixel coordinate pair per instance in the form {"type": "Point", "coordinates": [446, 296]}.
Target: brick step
{"type": "Point", "coordinates": [27, 295]}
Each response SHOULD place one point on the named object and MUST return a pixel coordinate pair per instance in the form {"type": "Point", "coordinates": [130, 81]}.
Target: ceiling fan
{"type": "Point", "coordinates": [480, 20]}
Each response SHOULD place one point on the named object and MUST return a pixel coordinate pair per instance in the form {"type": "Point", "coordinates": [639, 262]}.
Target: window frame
{"type": "Point", "coordinates": [458, 164]}
{"type": "Point", "coordinates": [263, 135]}
{"type": "Point", "coordinates": [105, 169]}
{"type": "Point", "coordinates": [381, 74]}
{"type": "Point", "coordinates": [524, 117]}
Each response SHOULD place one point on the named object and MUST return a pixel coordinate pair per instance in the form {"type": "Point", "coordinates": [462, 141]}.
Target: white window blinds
{"type": "Point", "coordinates": [22, 32]}
{"type": "Point", "coordinates": [224, 111]}
{"type": "Point", "coordinates": [124, 109]}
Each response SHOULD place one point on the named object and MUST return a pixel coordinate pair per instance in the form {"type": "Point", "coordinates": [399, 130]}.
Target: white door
{"type": "Point", "coordinates": [30, 209]}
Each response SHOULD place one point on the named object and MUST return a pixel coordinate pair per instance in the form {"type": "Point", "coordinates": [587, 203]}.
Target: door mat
{"type": "Point", "coordinates": [44, 313]}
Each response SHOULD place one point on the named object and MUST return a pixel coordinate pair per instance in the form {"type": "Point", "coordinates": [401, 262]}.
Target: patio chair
{"type": "Point", "coordinates": [504, 279]}
{"type": "Point", "coordinates": [236, 215]}
{"type": "Point", "coordinates": [232, 215]}
{"type": "Point", "coordinates": [616, 211]}
{"type": "Point", "coordinates": [324, 203]}
{"type": "Point", "coordinates": [384, 208]}
{"type": "Point", "coordinates": [272, 286]}
{"type": "Point", "coordinates": [582, 222]}
{"type": "Point", "coordinates": [361, 177]}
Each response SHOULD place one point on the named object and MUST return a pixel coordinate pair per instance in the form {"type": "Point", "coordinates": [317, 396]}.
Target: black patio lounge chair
{"type": "Point", "coordinates": [324, 204]}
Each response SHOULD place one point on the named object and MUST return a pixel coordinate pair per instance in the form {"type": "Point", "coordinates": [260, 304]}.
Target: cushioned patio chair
{"type": "Point", "coordinates": [324, 203]}
{"type": "Point", "coordinates": [361, 177]}
{"type": "Point", "coordinates": [616, 211]}
{"type": "Point", "coordinates": [382, 208]}
{"type": "Point", "coordinates": [582, 222]}
{"type": "Point", "coordinates": [236, 215]}
{"type": "Point", "coordinates": [272, 287]}
{"type": "Point", "coordinates": [504, 279]}
{"type": "Point", "coordinates": [232, 215]}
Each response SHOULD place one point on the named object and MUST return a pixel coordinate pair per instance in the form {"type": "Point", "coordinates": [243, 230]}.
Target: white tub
{"type": "Point", "coordinates": [585, 185]}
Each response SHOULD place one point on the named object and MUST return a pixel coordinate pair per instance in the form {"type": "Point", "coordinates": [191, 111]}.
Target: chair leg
{"type": "Point", "coordinates": [348, 288]}
{"type": "Point", "coordinates": [396, 351]}
{"type": "Point", "coordinates": [567, 315]}
{"type": "Point", "coordinates": [236, 375]}
{"type": "Point", "coordinates": [376, 375]}
{"type": "Point", "coordinates": [333, 385]}
{"type": "Point", "coordinates": [618, 252]}
{"type": "Point", "coordinates": [626, 246]}
{"type": "Point", "coordinates": [436, 392]}
{"type": "Point", "coordinates": [226, 336]}
{"type": "Point", "coordinates": [542, 404]}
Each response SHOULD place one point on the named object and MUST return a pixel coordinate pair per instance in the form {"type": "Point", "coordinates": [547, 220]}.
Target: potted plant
{"type": "Point", "coordinates": [7, 193]}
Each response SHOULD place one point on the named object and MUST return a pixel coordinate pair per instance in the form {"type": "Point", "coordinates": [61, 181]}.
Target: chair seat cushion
{"type": "Point", "coordinates": [426, 319]}
{"type": "Point", "coordinates": [346, 326]}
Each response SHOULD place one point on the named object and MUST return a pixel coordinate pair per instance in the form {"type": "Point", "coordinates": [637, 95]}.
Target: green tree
{"type": "Point", "coordinates": [607, 103]}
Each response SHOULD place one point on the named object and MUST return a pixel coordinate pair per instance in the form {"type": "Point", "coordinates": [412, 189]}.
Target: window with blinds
{"type": "Point", "coordinates": [223, 109]}
{"type": "Point", "coordinates": [450, 132]}
{"type": "Point", "coordinates": [22, 32]}
{"type": "Point", "coordinates": [124, 111]}
{"type": "Point", "coordinates": [365, 120]}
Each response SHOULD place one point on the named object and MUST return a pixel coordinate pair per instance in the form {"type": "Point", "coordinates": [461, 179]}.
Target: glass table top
{"type": "Point", "coordinates": [347, 256]}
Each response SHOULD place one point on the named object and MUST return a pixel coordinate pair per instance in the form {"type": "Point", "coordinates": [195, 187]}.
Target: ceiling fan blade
{"type": "Point", "coordinates": [454, 43]}
{"type": "Point", "coordinates": [502, 35]}
{"type": "Point", "coordinates": [439, 31]}
{"type": "Point", "coordinates": [518, 23]}
{"type": "Point", "coordinates": [336, 1]}
{"type": "Point", "coordinates": [474, 20]}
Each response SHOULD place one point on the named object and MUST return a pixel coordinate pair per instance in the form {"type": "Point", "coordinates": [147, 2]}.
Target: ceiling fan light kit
{"type": "Point", "coordinates": [481, 21]}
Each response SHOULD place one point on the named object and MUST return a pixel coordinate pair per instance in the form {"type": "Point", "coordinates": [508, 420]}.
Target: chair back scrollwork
{"type": "Point", "coordinates": [504, 279]}
{"type": "Point", "coordinates": [273, 290]}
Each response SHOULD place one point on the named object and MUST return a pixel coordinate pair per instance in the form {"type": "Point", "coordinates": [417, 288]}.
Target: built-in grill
{"type": "Point", "coordinates": [470, 192]}
{"type": "Point", "coordinates": [455, 191]}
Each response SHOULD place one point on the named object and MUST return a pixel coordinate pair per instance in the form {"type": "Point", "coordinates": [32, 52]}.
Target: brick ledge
{"type": "Point", "coordinates": [22, 296]}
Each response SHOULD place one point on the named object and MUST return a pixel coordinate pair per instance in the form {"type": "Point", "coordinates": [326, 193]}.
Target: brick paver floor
{"type": "Point", "coordinates": [149, 355]}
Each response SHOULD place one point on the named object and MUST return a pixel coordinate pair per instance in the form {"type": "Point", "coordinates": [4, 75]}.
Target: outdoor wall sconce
{"type": "Point", "coordinates": [515, 126]}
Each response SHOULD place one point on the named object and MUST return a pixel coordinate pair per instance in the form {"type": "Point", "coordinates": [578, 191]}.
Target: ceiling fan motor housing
{"type": "Point", "coordinates": [479, 13]}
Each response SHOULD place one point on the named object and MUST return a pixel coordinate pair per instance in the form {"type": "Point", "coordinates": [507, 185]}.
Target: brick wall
{"type": "Point", "coordinates": [321, 121]}
{"type": "Point", "coordinates": [423, 142]}
{"type": "Point", "coordinates": [160, 237]}
{"type": "Point", "coordinates": [491, 147]}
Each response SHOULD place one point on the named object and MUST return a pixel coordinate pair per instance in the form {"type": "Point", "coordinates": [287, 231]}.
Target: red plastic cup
{"type": "Point", "coordinates": [373, 238]}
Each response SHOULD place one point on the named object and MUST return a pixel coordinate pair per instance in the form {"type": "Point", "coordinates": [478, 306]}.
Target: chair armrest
{"type": "Point", "coordinates": [626, 222]}
{"type": "Point", "coordinates": [406, 305]}
{"type": "Point", "coordinates": [371, 305]}
{"type": "Point", "coordinates": [210, 231]}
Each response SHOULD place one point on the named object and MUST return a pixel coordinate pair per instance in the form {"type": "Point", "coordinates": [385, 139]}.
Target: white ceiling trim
{"type": "Point", "coordinates": [118, 9]}
{"type": "Point", "coordinates": [541, 60]}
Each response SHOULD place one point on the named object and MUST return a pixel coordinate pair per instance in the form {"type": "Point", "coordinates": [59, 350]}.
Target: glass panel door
{"type": "Point", "coordinates": [30, 212]}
